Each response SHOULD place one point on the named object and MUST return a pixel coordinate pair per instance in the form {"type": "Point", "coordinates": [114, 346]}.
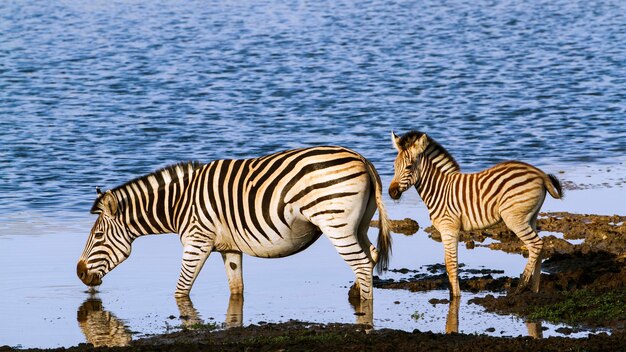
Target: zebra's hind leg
{"type": "Point", "coordinates": [364, 226]}
{"type": "Point", "coordinates": [534, 244]}
{"type": "Point", "coordinates": [349, 248]}
{"type": "Point", "coordinates": [232, 264]}
{"type": "Point", "coordinates": [194, 256]}
{"type": "Point", "coordinates": [524, 230]}
{"type": "Point", "coordinates": [536, 276]}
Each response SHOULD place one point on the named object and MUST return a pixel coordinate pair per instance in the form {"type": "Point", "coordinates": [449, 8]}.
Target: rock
{"type": "Point", "coordinates": [406, 226]}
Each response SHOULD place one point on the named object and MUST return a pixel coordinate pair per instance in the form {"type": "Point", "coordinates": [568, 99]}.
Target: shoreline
{"type": "Point", "coordinates": [302, 336]}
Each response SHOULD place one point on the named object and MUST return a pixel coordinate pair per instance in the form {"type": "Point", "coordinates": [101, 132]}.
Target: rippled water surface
{"type": "Point", "coordinates": [99, 92]}
{"type": "Point", "coordinates": [96, 93]}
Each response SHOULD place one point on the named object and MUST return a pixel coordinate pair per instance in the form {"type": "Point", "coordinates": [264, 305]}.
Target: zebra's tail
{"type": "Point", "coordinates": [553, 186]}
{"type": "Point", "coordinates": [384, 237]}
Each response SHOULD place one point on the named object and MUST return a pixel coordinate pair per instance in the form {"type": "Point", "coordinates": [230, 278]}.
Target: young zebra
{"type": "Point", "coordinates": [511, 191]}
{"type": "Point", "coordinates": [270, 207]}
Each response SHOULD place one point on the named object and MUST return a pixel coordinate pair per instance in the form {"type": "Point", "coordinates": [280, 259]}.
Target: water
{"type": "Point", "coordinates": [98, 93]}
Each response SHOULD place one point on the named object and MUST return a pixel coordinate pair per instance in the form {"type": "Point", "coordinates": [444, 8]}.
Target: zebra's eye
{"type": "Point", "coordinates": [98, 235]}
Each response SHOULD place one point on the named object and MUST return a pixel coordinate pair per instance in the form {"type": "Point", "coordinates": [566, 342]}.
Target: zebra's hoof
{"type": "Point", "coordinates": [354, 291]}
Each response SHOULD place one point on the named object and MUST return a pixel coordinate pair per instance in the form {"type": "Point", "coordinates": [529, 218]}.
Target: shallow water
{"type": "Point", "coordinates": [98, 93]}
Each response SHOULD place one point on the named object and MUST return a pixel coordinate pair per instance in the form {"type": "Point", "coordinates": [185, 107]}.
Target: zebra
{"type": "Point", "coordinates": [272, 206]}
{"type": "Point", "coordinates": [510, 191]}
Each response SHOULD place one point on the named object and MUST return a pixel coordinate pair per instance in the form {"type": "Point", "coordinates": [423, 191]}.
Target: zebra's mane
{"type": "Point", "coordinates": [437, 154]}
{"type": "Point", "coordinates": [171, 169]}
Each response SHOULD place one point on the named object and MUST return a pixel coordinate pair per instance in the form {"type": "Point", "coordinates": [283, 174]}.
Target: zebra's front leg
{"type": "Point", "coordinates": [232, 264]}
{"type": "Point", "coordinates": [194, 256]}
{"type": "Point", "coordinates": [450, 240]}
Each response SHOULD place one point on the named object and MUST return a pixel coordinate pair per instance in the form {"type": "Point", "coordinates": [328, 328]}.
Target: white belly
{"type": "Point", "coordinates": [301, 235]}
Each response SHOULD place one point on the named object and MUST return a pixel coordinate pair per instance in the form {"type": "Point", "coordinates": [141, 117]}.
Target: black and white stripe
{"type": "Point", "coordinates": [511, 191]}
{"type": "Point", "coordinates": [273, 206]}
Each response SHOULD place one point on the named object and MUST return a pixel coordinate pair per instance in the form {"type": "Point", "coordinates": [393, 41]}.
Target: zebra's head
{"type": "Point", "coordinates": [109, 242]}
{"type": "Point", "coordinates": [410, 149]}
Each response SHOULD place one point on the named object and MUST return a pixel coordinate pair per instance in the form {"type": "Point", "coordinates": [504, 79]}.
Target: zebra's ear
{"type": "Point", "coordinates": [109, 203]}
{"type": "Point", "coordinates": [97, 206]}
{"type": "Point", "coordinates": [420, 145]}
{"type": "Point", "coordinates": [395, 140]}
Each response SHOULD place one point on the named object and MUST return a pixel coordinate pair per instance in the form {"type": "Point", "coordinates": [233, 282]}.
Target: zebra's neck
{"type": "Point", "coordinates": [149, 203]}
{"type": "Point", "coordinates": [436, 169]}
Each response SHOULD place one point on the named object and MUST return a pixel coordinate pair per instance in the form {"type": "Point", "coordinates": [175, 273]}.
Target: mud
{"type": "Point", "coordinates": [435, 278]}
{"type": "Point", "coordinates": [595, 283]}
{"type": "Point", "coordinates": [300, 336]}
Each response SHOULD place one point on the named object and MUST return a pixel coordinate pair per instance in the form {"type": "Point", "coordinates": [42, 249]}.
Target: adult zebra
{"type": "Point", "coordinates": [272, 206]}
{"type": "Point", "coordinates": [511, 191]}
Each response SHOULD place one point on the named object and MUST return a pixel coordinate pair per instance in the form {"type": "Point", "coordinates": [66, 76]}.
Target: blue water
{"type": "Point", "coordinates": [96, 93]}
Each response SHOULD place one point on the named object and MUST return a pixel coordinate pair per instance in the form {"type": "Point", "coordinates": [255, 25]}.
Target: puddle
{"type": "Point", "coordinates": [45, 305]}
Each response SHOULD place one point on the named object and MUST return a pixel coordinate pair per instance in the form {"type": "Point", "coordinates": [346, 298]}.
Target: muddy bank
{"type": "Point", "coordinates": [437, 279]}
{"type": "Point", "coordinates": [587, 290]}
{"type": "Point", "coordinates": [584, 290]}
{"type": "Point", "coordinates": [299, 336]}
{"type": "Point", "coordinates": [583, 284]}
{"type": "Point", "coordinates": [595, 232]}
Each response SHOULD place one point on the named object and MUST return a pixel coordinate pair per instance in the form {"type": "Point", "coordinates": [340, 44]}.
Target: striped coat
{"type": "Point", "coordinates": [511, 191]}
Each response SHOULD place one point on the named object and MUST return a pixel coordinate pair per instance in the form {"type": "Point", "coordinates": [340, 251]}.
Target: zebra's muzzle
{"type": "Point", "coordinates": [394, 191]}
{"type": "Point", "coordinates": [84, 275]}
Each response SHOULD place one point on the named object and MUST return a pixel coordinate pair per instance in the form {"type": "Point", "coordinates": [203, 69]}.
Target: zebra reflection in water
{"type": "Point", "coordinates": [190, 316]}
{"type": "Point", "coordinates": [100, 327]}
{"type": "Point", "coordinates": [533, 329]}
{"type": "Point", "coordinates": [103, 328]}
